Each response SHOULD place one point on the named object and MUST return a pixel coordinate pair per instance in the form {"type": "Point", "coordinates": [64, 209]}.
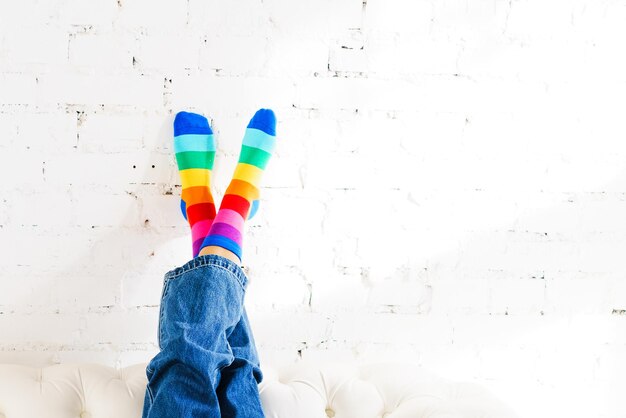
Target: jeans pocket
{"type": "Point", "coordinates": [166, 282]}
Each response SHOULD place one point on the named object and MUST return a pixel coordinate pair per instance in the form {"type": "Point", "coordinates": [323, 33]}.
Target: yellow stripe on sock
{"type": "Point", "coordinates": [192, 177]}
{"type": "Point", "coordinates": [247, 172]}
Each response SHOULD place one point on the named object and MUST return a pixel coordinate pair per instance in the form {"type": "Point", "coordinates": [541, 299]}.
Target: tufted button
{"type": "Point", "coordinates": [330, 413]}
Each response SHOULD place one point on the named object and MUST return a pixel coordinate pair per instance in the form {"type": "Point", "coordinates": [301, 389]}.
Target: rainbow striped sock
{"type": "Point", "coordinates": [242, 195]}
{"type": "Point", "coordinates": [195, 153]}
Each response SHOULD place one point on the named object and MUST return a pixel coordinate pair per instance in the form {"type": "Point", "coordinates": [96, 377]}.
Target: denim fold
{"type": "Point", "coordinates": [208, 365]}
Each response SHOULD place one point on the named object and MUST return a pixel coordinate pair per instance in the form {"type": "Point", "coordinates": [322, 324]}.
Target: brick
{"type": "Point", "coordinates": [167, 52]}
{"type": "Point", "coordinates": [399, 16]}
{"type": "Point", "coordinates": [99, 354]}
{"type": "Point", "coordinates": [358, 93]}
{"type": "Point", "coordinates": [297, 55]}
{"type": "Point", "coordinates": [483, 330]}
{"type": "Point", "coordinates": [451, 362]}
{"type": "Point", "coordinates": [231, 19]}
{"type": "Point", "coordinates": [29, 358]}
{"type": "Point", "coordinates": [45, 47]}
{"type": "Point", "coordinates": [39, 328]}
{"type": "Point", "coordinates": [76, 12]}
{"type": "Point", "coordinates": [138, 288]}
{"type": "Point", "coordinates": [24, 168]}
{"type": "Point", "coordinates": [104, 51]}
{"type": "Point", "coordinates": [460, 295]}
{"type": "Point", "coordinates": [517, 296]}
{"type": "Point", "coordinates": [335, 292]}
{"type": "Point", "coordinates": [120, 327]}
{"type": "Point", "coordinates": [280, 291]}
{"type": "Point", "coordinates": [403, 297]}
{"type": "Point", "coordinates": [123, 169]}
{"type": "Point", "coordinates": [16, 88]}
{"type": "Point", "coordinates": [106, 210]}
{"type": "Point", "coordinates": [27, 209]}
{"type": "Point", "coordinates": [239, 56]}
{"type": "Point", "coordinates": [244, 95]}
{"type": "Point", "coordinates": [411, 55]}
{"type": "Point", "coordinates": [8, 130]}
{"type": "Point", "coordinates": [577, 295]}
{"type": "Point", "coordinates": [161, 210]}
{"type": "Point", "coordinates": [496, 363]}
{"type": "Point", "coordinates": [314, 16]}
{"type": "Point", "coordinates": [162, 17]}
{"type": "Point", "coordinates": [547, 26]}
{"type": "Point", "coordinates": [82, 89]}
{"type": "Point", "coordinates": [349, 54]}
{"type": "Point", "coordinates": [50, 132]}
{"type": "Point", "coordinates": [17, 241]}
{"type": "Point", "coordinates": [30, 11]}
{"type": "Point", "coordinates": [392, 328]}
{"type": "Point", "coordinates": [275, 328]}
{"type": "Point", "coordinates": [109, 132]}
{"type": "Point", "coordinates": [56, 291]}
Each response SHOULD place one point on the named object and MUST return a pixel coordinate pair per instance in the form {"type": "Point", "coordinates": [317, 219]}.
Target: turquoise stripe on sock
{"type": "Point", "coordinates": [259, 139]}
{"type": "Point", "coordinates": [193, 142]}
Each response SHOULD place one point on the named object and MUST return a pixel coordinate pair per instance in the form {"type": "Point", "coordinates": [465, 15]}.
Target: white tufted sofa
{"type": "Point", "coordinates": [302, 390]}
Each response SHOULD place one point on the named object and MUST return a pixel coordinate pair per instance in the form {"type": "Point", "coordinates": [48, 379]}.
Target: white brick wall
{"type": "Point", "coordinates": [449, 185]}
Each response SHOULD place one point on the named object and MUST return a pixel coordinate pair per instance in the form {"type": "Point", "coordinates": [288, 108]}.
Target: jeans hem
{"type": "Point", "coordinates": [210, 260]}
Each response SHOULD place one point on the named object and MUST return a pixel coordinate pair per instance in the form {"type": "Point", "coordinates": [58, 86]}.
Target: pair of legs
{"type": "Point", "coordinates": [208, 365]}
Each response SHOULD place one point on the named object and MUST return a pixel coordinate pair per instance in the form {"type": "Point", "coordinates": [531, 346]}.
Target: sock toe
{"type": "Point", "coordinates": [264, 120]}
{"type": "Point", "coordinates": [191, 123]}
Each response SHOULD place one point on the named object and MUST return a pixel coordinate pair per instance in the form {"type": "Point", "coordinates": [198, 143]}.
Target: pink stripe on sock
{"type": "Point", "coordinates": [201, 229]}
{"type": "Point", "coordinates": [231, 217]}
{"type": "Point", "coordinates": [227, 231]}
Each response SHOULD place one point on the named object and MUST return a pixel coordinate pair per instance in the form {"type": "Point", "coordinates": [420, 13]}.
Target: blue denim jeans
{"type": "Point", "coordinates": [207, 365]}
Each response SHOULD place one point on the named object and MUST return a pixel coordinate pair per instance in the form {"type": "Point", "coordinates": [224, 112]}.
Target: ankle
{"type": "Point", "coordinates": [214, 249]}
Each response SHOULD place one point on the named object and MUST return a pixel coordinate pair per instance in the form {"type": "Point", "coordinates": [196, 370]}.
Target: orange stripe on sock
{"type": "Point", "coordinates": [197, 194]}
{"type": "Point", "coordinates": [243, 189]}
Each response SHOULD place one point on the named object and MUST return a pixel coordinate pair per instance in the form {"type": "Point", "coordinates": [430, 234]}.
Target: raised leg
{"type": "Point", "coordinates": [238, 392]}
{"type": "Point", "coordinates": [201, 304]}
{"type": "Point", "coordinates": [208, 365]}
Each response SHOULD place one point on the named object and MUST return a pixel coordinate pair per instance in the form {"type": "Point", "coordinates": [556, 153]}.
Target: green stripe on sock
{"type": "Point", "coordinates": [254, 156]}
{"type": "Point", "coordinates": [195, 159]}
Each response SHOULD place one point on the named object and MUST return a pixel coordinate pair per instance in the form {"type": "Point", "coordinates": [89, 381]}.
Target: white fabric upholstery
{"type": "Point", "coordinates": [303, 390]}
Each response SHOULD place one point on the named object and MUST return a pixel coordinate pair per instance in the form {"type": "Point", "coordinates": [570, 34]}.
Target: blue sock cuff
{"type": "Point", "coordinates": [254, 207]}
{"type": "Point", "coordinates": [264, 120]}
{"type": "Point", "coordinates": [191, 123]}
{"type": "Point", "coordinates": [223, 242]}
{"type": "Point", "coordinates": [183, 208]}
